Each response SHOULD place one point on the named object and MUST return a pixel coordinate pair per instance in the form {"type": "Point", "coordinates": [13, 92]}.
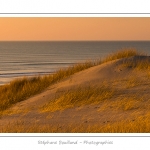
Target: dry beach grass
{"type": "Point", "coordinates": [109, 95]}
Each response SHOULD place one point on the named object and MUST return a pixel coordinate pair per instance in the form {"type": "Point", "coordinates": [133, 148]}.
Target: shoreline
{"type": "Point", "coordinates": [9, 79]}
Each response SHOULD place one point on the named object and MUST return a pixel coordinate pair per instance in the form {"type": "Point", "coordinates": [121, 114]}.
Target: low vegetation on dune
{"type": "Point", "coordinates": [120, 96]}
{"type": "Point", "coordinates": [79, 97]}
{"type": "Point", "coordinates": [21, 89]}
{"type": "Point", "coordinates": [125, 53]}
{"type": "Point", "coordinates": [139, 63]}
{"type": "Point", "coordinates": [140, 125]}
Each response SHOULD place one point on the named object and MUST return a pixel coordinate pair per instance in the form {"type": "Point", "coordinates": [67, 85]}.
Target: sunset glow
{"type": "Point", "coordinates": [64, 29]}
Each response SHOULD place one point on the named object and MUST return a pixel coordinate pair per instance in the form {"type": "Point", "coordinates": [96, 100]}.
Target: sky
{"type": "Point", "coordinates": [74, 29]}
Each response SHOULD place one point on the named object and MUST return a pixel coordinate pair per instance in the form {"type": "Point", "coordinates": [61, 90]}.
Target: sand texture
{"type": "Point", "coordinates": [126, 107]}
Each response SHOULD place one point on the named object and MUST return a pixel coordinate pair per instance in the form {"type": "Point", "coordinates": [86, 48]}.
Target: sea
{"type": "Point", "coordinates": [30, 58]}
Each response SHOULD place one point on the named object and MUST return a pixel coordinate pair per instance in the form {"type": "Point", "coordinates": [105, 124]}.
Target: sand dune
{"type": "Point", "coordinates": [129, 103]}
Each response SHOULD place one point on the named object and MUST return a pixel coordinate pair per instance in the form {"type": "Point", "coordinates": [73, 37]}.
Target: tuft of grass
{"type": "Point", "coordinates": [129, 103]}
{"type": "Point", "coordinates": [19, 90]}
{"type": "Point", "coordinates": [79, 97]}
{"type": "Point", "coordinates": [123, 102]}
{"type": "Point", "coordinates": [122, 54]}
{"type": "Point", "coordinates": [138, 63]}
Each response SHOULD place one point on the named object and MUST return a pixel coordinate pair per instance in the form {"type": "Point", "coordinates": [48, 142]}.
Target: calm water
{"type": "Point", "coordinates": [33, 58]}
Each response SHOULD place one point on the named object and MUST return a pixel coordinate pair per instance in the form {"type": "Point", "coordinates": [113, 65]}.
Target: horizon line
{"type": "Point", "coordinates": [74, 40]}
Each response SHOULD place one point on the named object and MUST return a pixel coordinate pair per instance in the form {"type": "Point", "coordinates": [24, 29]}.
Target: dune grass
{"type": "Point", "coordinates": [134, 124]}
{"type": "Point", "coordinates": [133, 82]}
{"type": "Point", "coordinates": [123, 103]}
{"type": "Point", "coordinates": [138, 63]}
{"type": "Point", "coordinates": [21, 89]}
{"type": "Point", "coordinates": [79, 97]}
{"type": "Point", "coordinates": [138, 125]}
{"type": "Point", "coordinates": [122, 54]}
{"type": "Point", "coordinates": [95, 95]}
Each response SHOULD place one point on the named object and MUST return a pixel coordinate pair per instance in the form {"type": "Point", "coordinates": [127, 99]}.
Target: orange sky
{"type": "Point", "coordinates": [12, 29]}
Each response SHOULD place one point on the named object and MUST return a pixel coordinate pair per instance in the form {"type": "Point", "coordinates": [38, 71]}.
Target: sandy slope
{"type": "Point", "coordinates": [114, 73]}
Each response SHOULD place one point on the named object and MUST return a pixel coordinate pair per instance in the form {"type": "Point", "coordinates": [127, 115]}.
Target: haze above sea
{"type": "Point", "coordinates": [19, 59]}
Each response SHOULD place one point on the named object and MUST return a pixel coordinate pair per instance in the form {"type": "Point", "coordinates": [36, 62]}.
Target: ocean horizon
{"type": "Point", "coordinates": [30, 58]}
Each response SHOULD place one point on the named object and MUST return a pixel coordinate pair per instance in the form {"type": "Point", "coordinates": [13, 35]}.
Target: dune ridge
{"type": "Point", "coordinates": [109, 96]}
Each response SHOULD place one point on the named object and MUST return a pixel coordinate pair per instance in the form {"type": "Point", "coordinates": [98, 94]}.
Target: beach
{"type": "Point", "coordinates": [111, 96]}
